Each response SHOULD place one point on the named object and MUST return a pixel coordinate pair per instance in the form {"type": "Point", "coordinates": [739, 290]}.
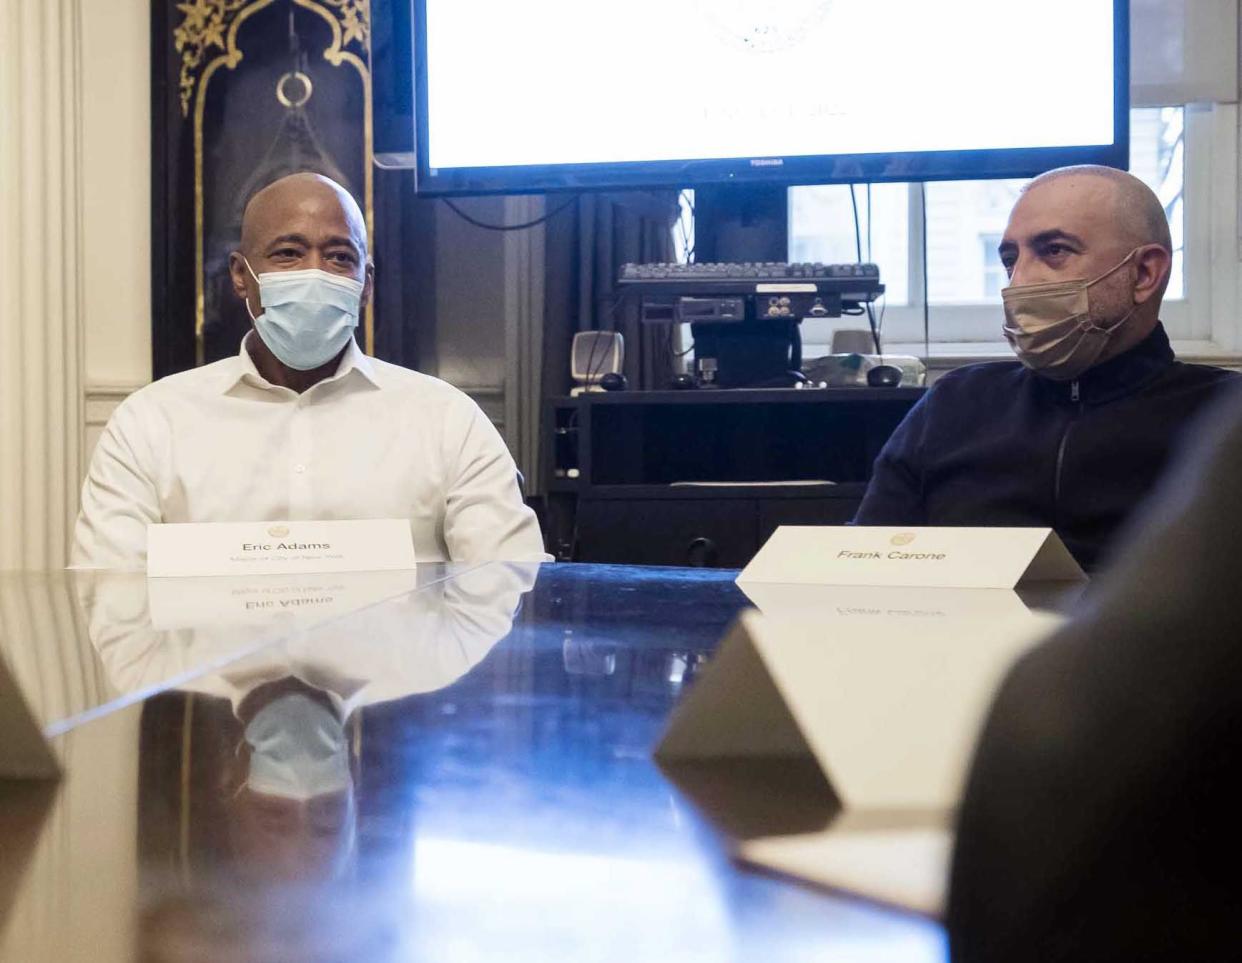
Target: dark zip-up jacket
{"type": "Point", "coordinates": [995, 444]}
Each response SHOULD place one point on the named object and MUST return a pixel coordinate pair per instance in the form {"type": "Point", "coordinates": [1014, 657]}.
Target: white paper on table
{"type": "Point", "coordinates": [887, 708]}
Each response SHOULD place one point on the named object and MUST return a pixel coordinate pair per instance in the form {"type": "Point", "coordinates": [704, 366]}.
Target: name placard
{"type": "Point", "coordinates": [992, 558]}
{"type": "Point", "coordinates": [278, 548]}
{"type": "Point", "coordinates": [859, 742]}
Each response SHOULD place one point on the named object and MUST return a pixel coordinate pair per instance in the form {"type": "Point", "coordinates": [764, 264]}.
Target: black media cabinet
{"type": "Point", "coordinates": [703, 477]}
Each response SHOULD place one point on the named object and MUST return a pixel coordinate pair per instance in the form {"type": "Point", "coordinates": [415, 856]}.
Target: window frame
{"type": "Point", "coordinates": [1204, 322]}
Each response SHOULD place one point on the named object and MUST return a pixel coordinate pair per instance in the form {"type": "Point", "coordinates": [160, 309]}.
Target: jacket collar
{"type": "Point", "coordinates": [1119, 376]}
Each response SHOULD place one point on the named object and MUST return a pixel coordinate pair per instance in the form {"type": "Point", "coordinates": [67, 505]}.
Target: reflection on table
{"type": "Point", "coordinates": [81, 642]}
{"type": "Point", "coordinates": [434, 777]}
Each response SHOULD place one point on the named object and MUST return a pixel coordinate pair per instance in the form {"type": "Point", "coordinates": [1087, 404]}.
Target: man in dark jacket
{"type": "Point", "coordinates": [1100, 819]}
{"type": "Point", "coordinates": [1075, 433]}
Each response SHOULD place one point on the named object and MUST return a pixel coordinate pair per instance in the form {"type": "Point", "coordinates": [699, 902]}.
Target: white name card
{"type": "Point", "coordinates": [886, 717]}
{"type": "Point", "coordinates": [995, 558]}
{"type": "Point", "coordinates": [278, 548]}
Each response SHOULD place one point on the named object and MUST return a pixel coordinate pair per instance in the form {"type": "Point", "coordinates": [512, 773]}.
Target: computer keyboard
{"type": "Point", "coordinates": [744, 271]}
{"type": "Point", "coordinates": [853, 282]}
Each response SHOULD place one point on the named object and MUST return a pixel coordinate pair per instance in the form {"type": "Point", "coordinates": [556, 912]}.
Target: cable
{"type": "Point", "coordinates": [508, 227]}
{"type": "Point", "coordinates": [685, 240]}
{"type": "Point", "coordinates": [591, 362]}
{"type": "Point", "coordinates": [685, 204]}
{"type": "Point", "coordinates": [687, 234]}
{"type": "Point", "coordinates": [857, 234]}
{"type": "Point", "coordinates": [879, 323]}
{"type": "Point", "coordinates": [672, 336]}
{"type": "Point", "coordinates": [926, 313]}
{"type": "Point", "coordinates": [875, 333]}
{"type": "Point", "coordinates": [869, 261]}
{"type": "Point", "coordinates": [606, 317]}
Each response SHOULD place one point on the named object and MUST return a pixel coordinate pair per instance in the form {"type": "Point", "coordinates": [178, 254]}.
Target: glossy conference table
{"type": "Point", "coordinates": [459, 770]}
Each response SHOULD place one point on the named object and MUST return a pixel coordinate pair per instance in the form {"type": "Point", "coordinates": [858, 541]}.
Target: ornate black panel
{"type": "Point", "coordinates": [245, 91]}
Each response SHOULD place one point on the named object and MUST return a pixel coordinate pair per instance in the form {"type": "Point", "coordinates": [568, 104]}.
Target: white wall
{"type": "Point", "coordinates": [41, 292]}
{"type": "Point", "coordinates": [74, 251]}
{"type": "Point", "coordinates": [116, 201]}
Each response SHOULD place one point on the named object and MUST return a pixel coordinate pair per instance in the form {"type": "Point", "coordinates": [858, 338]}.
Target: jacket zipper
{"type": "Point", "coordinates": [1076, 398]}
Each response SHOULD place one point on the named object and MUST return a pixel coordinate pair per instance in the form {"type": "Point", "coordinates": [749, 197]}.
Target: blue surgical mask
{"type": "Point", "coordinates": [298, 749]}
{"type": "Point", "coordinates": [308, 316]}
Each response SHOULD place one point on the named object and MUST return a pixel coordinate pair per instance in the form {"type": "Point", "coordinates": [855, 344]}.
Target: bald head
{"type": "Point", "coordinates": [305, 193]}
{"type": "Point", "coordinates": [1136, 212]}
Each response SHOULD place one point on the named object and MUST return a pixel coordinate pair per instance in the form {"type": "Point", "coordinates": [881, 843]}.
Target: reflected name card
{"type": "Point", "coordinates": [278, 548]}
{"type": "Point", "coordinates": [197, 602]}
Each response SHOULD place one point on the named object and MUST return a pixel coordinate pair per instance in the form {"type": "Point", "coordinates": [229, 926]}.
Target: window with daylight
{"type": "Point", "coordinates": [994, 277]}
{"type": "Point", "coordinates": [964, 222]}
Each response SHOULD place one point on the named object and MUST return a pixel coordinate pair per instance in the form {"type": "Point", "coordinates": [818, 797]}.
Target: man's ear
{"type": "Point", "coordinates": [368, 283]}
{"type": "Point", "coordinates": [1153, 263]}
{"type": "Point", "coordinates": [238, 274]}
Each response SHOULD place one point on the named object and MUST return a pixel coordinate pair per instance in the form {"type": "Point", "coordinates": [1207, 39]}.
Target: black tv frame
{"type": "Point", "coordinates": [821, 169]}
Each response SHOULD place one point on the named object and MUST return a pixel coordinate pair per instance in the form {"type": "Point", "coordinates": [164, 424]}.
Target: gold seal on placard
{"type": "Point", "coordinates": [902, 538]}
{"type": "Point", "coordinates": [278, 531]}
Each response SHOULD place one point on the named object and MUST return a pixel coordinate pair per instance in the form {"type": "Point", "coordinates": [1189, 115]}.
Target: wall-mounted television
{"type": "Point", "coordinates": [547, 95]}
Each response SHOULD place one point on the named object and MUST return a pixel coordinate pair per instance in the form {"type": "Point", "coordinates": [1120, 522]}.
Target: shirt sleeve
{"type": "Point", "coordinates": [119, 500]}
{"type": "Point", "coordinates": [485, 518]}
{"type": "Point", "coordinates": [894, 495]}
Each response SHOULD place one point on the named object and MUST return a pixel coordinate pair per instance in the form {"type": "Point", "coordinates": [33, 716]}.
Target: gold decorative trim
{"type": "Point", "coordinates": [214, 23]}
{"type": "Point", "coordinates": [201, 29]}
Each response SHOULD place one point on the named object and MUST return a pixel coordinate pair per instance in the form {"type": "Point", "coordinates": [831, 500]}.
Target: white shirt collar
{"type": "Point", "coordinates": [352, 360]}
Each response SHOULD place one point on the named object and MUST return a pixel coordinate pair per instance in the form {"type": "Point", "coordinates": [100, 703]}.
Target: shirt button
{"type": "Point", "coordinates": [299, 468]}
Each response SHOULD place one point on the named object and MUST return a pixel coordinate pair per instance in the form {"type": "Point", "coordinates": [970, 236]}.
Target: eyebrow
{"type": "Point", "coordinates": [1056, 234]}
{"type": "Point", "coordinates": [336, 240]}
{"type": "Point", "coordinates": [289, 239]}
{"type": "Point", "coordinates": [1043, 237]}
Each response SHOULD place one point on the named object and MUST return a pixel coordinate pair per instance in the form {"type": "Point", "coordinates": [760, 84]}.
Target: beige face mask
{"type": "Point", "coordinates": [1049, 325]}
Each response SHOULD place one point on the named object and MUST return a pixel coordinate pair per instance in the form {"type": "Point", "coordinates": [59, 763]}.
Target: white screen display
{"type": "Point", "coordinates": [604, 81]}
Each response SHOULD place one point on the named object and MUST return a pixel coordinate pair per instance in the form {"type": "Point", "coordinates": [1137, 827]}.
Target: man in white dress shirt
{"type": "Point", "coordinates": [301, 424]}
